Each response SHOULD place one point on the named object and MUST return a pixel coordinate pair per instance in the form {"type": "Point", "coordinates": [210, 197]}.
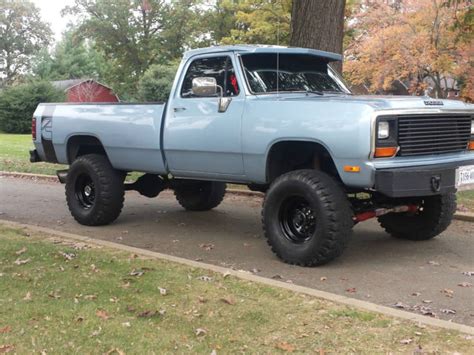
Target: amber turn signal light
{"type": "Point", "coordinates": [385, 152]}
{"type": "Point", "coordinates": [352, 169]}
{"type": "Point", "coordinates": [471, 145]}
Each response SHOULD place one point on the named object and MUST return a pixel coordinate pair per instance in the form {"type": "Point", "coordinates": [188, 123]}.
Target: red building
{"type": "Point", "coordinates": [86, 90]}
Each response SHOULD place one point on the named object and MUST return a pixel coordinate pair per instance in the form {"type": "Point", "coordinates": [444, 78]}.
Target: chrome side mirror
{"type": "Point", "coordinates": [207, 86]}
{"type": "Point", "coordinates": [204, 86]}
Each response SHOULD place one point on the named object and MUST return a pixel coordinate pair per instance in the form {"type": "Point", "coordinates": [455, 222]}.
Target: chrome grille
{"type": "Point", "coordinates": [433, 134]}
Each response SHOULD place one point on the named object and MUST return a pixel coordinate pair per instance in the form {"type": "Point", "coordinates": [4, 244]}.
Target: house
{"type": "Point", "coordinates": [86, 90]}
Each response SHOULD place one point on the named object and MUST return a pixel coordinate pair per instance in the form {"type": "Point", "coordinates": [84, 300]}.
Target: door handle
{"type": "Point", "coordinates": [179, 109]}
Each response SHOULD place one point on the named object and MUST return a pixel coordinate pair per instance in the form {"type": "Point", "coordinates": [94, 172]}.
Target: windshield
{"type": "Point", "coordinates": [296, 73]}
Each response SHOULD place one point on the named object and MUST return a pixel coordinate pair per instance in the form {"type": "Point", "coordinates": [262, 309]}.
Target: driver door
{"type": "Point", "coordinates": [200, 140]}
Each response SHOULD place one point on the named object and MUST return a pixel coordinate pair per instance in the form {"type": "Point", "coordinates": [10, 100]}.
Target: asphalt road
{"type": "Point", "coordinates": [375, 267]}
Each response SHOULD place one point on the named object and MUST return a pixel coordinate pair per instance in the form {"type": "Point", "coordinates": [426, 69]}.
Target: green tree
{"type": "Point", "coordinates": [71, 58]}
{"type": "Point", "coordinates": [260, 22]}
{"type": "Point", "coordinates": [135, 34]}
{"type": "Point", "coordinates": [155, 85]}
{"type": "Point", "coordinates": [18, 103]}
{"type": "Point", "coordinates": [22, 35]}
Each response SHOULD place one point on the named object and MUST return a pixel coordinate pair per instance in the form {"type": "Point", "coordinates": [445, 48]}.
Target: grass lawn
{"type": "Point", "coordinates": [66, 297]}
{"type": "Point", "coordinates": [14, 156]}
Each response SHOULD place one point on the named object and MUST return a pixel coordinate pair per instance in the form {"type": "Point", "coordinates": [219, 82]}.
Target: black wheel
{"type": "Point", "coordinates": [199, 195]}
{"type": "Point", "coordinates": [307, 218]}
{"type": "Point", "coordinates": [433, 217]}
{"type": "Point", "coordinates": [94, 190]}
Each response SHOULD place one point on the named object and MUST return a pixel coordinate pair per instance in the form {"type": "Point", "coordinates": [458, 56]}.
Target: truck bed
{"type": "Point", "coordinates": [129, 132]}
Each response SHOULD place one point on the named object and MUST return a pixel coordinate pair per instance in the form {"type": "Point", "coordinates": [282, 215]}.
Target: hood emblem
{"type": "Point", "coordinates": [433, 103]}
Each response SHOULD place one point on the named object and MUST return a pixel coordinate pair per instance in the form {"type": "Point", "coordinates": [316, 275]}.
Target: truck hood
{"type": "Point", "coordinates": [381, 102]}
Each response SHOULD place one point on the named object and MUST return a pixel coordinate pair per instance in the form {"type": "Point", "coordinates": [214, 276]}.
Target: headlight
{"type": "Point", "coordinates": [383, 130]}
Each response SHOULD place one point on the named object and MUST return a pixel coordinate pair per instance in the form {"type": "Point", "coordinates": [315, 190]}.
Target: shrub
{"type": "Point", "coordinates": [156, 82]}
{"type": "Point", "coordinates": [18, 103]}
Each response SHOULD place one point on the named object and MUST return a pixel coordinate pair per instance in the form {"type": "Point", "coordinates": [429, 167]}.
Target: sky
{"type": "Point", "coordinates": [51, 13]}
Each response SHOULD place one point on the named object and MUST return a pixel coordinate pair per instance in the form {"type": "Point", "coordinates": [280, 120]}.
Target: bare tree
{"type": "Point", "coordinates": [318, 24]}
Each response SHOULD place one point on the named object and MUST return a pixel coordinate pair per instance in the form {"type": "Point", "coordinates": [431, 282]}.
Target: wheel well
{"type": "Point", "coordinates": [82, 145]}
{"type": "Point", "coordinates": [293, 155]}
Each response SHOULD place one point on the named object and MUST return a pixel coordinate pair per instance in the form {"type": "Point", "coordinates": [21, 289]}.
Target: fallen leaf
{"type": "Point", "coordinates": [79, 319]}
{"type": "Point", "coordinates": [137, 272]}
{"type": "Point", "coordinates": [226, 274]}
{"type": "Point", "coordinates": [285, 347]}
{"type": "Point", "coordinates": [465, 284]}
{"type": "Point", "coordinates": [131, 309]}
{"type": "Point", "coordinates": [207, 246]}
{"type": "Point", "coordinates": [401, 305]}
{"type": "Point", "coordinates": [448, 293]}
{"type": "Point", "coordinates": [351, 290]}
{"type": "Point", "coordinates": [434, 263]}
{"type": "Point", "coordinates": [406, 341]}
{"type": "Point", "coordinates": [6, 348]}
{"type": "Point", "coordinates": [416, 294]}
{"type": "Point", "coordinates": [205, 278]}
{"type": "Point", "coordinates": [427, 312]}
{"type": "Point", "coordinates": [126, 324]}
{"type": "Point", "coordinates": [163, 291]}
{"type": "Point", "coordinates": [96, 332]}
{"type": "Point", "coordinates": [147, 314]}
{"type": "Point", "coordinates": [202, 299]}
{"type": "Point", "coordinates": [21, 251]}
{"type": "Point", "coordinates": [54, 294]}
{"type": "Point", "coordinates": [201, 332]}
{"type": "Point", "coordinates": [5, 329]}
{"type": "Point", "coordinates": [67, 256]}
{"type": "Point", "coordinates": [94, 268]}
{"type": "Point", "coordinates": [427, 301]}
{"type": "Point", "coordinates": [21, 261]}
{"type": "Point", "coordinates": [277, 277]}
{"type": "Point", "coordinates": [228, 300]}
{"type": "Point", "coordinates": [27, 296]}
{"type": "Point", "coordinates": [448, 311]}
{"type": "Point", "coordinates": [90, 297]}
{"type": "Point", "coordinates": [102, 314]}
{"type": "Point", "coordinates": [323, 278]}
{"type": "Point", "coordinates": [115, 351]}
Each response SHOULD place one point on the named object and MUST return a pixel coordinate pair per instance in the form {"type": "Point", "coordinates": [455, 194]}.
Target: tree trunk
{"type": "Point", "coordinates": [318, 24]}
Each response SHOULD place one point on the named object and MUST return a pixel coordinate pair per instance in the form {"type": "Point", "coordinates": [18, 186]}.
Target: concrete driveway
{"type": "Point", "coordinates": [423, 277]}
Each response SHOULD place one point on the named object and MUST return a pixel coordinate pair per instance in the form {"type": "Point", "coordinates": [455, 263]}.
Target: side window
{"type": "Point", "coordinates": [219, 68]}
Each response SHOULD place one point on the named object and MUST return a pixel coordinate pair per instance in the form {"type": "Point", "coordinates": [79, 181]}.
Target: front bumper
{"type": "Point", "coordinates": [418, 181]}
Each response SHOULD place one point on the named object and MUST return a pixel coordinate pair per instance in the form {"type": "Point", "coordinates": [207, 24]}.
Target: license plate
{"type": "Point", "coordinates": [465, 175]}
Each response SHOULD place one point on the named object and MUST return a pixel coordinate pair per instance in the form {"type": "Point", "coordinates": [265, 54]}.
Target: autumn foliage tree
{"type": "Point", "coordinates": [421, 42]}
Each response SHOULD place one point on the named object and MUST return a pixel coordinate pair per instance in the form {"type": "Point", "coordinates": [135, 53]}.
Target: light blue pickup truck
{"type": "Point", "coordinates": [282, 122]}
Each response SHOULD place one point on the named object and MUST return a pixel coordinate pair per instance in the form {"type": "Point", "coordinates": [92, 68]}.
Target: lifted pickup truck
{"type": "Point", "coordinates": [281, 121]}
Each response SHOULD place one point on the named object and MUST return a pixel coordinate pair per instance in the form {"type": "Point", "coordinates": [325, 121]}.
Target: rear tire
{"type": "Point", "coordinates": [199, 195]}
{"type": "Point", "coordinates": [435, 216]}
{"type": "Point", "coordinates": [94, 190]}
{"type": "Point", "coordinates": [307, 218]}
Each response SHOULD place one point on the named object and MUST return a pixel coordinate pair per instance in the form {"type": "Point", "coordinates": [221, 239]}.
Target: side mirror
{"type": "Point", "coordinates": [205, 86]}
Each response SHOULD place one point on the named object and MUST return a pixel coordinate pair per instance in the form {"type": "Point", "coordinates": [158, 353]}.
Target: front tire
{"type": "Point", "coordinates": [434, 216]}
{"type": "Point", "coordinates": [307, 218]}
{"type": "Point", "coordinates": [199, 195]}
{"type": "Point", "coordinates": [94, 190]}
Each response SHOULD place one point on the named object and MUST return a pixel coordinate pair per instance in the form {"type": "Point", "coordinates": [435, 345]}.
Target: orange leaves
{"type": "Point", "coordinates": [416, 43]}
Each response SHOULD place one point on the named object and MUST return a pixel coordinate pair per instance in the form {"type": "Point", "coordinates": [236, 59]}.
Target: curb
{"type": "Point", "coordinates": [352, 302]}
{"type": "Point", "coordinates": [461, 216]}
